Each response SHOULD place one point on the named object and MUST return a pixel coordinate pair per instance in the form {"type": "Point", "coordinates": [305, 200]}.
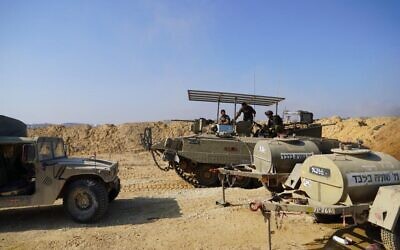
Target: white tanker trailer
{"type": "Point", "coordinates": [350, 182]}
{"type": "Point", "coordinates": [274, 159]}
{"type": "Point", "coordinates": [348, 176]}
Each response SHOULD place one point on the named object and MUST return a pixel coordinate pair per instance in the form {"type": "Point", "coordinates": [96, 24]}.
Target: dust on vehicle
{"type": "Point", "coordinates": [37, 171]}
{"type": "Point", "coordinates": [350, 182]}
{"type": "Point", "coordinates": [196, 158]}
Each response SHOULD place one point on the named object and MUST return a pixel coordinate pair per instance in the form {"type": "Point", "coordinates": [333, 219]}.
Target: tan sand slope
{"type": "Point", "coordinates": [379, 133]}
{"type": "Point", "coordinates": [110, 138]}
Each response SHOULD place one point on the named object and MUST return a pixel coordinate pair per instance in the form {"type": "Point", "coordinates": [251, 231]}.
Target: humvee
{"type": "Point", "coordinates": [37, 171]}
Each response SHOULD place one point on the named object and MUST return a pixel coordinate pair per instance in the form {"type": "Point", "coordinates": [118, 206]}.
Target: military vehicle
{"type": "Point", "coordinates": [37, 171]}
{"type": "Point", "coordinates": [302, 123]}
{"type": "Point", "coordinates": [195, 157]}
{"type": "Point", "coordinates": [350, 182]}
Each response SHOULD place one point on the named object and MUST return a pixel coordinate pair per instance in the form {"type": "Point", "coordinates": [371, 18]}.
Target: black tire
{"type": "Point", "coordinates": [114, 192]}
{"type": "Point", "coordinates": [86, 200]}
{"type": "Point", "coordinates": [205, 177]}
{"type": "Point", "coordinates": [242, 182]}
{"type": "Point", "coordinates": [256, 183]}
{"type": "Point", "coordinates": [326, 218]}
{"type": "Point", "coordinates": [391, 240]}
{"type": "Point", "coordinates": [276, 189]}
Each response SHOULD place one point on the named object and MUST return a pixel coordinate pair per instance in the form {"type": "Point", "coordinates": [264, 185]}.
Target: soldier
{"type": "Point", "coordinates": [224, 119]}
{"type": "Point", "coordinates": [274, 124]}
{"type": "Point", "coordinates": [248, 112]}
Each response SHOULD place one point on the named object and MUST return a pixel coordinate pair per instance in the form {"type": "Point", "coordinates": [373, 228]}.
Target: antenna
{"type": "Point", "coordinates": [254, 86]}
{"type": "Point", "coordinates": [254, 83]}
{"type": "Point", "coordinates": [279, 82]}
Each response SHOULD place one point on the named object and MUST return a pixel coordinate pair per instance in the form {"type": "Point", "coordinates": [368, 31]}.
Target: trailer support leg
{"type": "Point", "coordinates": [344, 219]}
{"type": "Point", "coordinates": [267, 219]}
{"type": "Point", "coordinates": [257, 205]}
{"type": "Point", "coordinates": [222, 178]}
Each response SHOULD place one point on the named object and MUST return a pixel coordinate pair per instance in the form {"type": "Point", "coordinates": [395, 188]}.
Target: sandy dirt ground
{"type": "Point", "coordinates": [158, 210]}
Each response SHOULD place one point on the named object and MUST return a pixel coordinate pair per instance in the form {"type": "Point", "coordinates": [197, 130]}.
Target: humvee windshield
{"type": "Point", "coordinates": [50, 148]}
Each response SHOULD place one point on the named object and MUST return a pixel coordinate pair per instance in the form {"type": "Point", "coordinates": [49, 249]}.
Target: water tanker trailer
{"type": "Point", "coordinates": [274, 159]}
{"type": "Point", "coordinates": [348, 176]}
{"type": "Point", "coordinates": [355, 183]}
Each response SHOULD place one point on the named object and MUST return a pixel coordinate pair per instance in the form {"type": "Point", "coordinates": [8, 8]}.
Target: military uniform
{"type": "Point", "coordinates": [224, 119]}
{"type": "Point", "coordinates": [248, 113]}
{"type": "Point", "coordinates": [275, 124]}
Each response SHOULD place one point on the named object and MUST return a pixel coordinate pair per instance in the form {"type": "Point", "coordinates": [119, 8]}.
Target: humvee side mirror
{"type": "Point", "coordinates": [28, 153]}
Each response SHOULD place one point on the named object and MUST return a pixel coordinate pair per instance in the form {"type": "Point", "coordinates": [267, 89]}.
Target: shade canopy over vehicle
{"type": "Point", "coordinates": [235, 98]}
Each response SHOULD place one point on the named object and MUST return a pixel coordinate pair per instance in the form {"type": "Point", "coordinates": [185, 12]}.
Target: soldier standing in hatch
{"type": "Point", "coordinates": [248, 112]}
{"type": "Point", "coordinates": [224, 119]}
{"type": "Point", "coordinates": [274, 124]}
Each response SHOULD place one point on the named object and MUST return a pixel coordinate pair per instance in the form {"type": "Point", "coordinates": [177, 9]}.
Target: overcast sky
{"type": "Point", "coordinates": [123, 61]}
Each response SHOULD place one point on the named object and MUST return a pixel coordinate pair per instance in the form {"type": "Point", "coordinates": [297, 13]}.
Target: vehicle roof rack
{"type": "Point", "coordinates": [225, 97]}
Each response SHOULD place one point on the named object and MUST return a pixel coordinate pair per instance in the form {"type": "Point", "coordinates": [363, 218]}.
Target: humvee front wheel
{"type": "Point", "coordinates": [391, 240]}
{"type": "Point", "coordinates": [86, 200]}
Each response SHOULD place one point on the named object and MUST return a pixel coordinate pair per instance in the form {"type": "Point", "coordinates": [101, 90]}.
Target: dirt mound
{"type": "Point", "coordinates": [109, 138]}
{"type": "Point", "coordinates": [379, 133]}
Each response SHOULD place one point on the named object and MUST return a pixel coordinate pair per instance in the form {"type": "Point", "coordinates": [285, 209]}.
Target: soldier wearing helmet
{"type": "Point", "coordinates": [274, 124]}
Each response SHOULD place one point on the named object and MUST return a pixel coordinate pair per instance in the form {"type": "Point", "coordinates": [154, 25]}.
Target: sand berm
{"type": "Point", "coordinates": [379, 133]}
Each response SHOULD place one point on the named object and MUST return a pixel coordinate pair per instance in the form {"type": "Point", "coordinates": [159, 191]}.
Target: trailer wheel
{"type": "Point", "coordinates": [274, 189]}
{"type": "Point", "coordinates": [256, 183]}
{"type": "Point", "coordinates": [326, 218]}
{"type": "Point", "coordinates": [240, 181]}
{"type": "Point", "coordinates": [86, 200]}
{"type": "Point", "coordinates": [391, 240]}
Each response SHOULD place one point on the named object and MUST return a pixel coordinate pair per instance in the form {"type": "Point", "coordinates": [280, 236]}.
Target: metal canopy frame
{"type": "Point", "coordinates": [235, 98]}
{"type": "Point", "coordinates": [224, 97]}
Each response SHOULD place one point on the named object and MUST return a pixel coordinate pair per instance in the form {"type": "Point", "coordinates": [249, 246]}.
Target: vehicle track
{"type": "Point", "coordinates": [145, 186]}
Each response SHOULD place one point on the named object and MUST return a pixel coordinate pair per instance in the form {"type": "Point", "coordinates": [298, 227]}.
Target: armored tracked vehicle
{"type": "Point", "coordinates": [196, 157]}
{"type": "Point", "coordinates": [37, 171]}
